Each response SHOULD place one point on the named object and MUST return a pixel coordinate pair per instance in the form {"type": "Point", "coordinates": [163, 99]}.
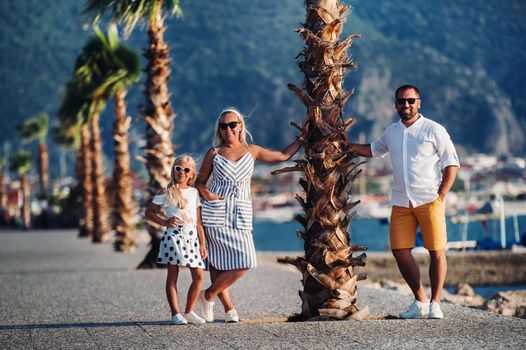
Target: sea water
{"type": "Point", "coordinates": [488, 291]}
{"type": "Point", "coordinates": [374, 233]}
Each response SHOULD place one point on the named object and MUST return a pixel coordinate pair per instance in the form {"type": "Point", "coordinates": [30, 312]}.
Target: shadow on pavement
{"type": "Point", "coordinates": [83, 325]}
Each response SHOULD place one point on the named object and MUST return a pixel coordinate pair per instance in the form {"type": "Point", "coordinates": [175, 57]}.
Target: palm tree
{"type": "Point", "coordinates": [37, 128]}
{"type": "Point", "coordinates": [73, 127]}
{"type": "Point", "coordinates": [81, 107]}
{"type": "Point", "coordinates": [20, 163]}
{"type": "Point", "coordinates": [122, 70]}
{"type": "Point", "coordinates": [2, 192]}
{"type": "Point", "coordinates": [157, 112]}
{"type": "Point", "coordinates": [329, 167]}
{"type": "Point", "coordinates": [104, 69]}
{"type": "Point", "coordinates": [68, 135]}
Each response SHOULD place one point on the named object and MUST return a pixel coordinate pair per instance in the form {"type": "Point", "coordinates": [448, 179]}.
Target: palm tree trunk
{"type": "Point", "coordinates": [26, 207]}
{"type": "Point", "coordinates": [329, 279]}
{"type": "Point", "coordinates": [159, 116]}
{"type": "Point", "coordinates": [124, 207]}
{"type": "Point", "coordinates": [101, 227]}
{"type": "Point", "coordinates": [2, 197]}
{"type": "Point", "coordinates": [86, 224]}
{"type": "Point", "coordinates": [43, 168]}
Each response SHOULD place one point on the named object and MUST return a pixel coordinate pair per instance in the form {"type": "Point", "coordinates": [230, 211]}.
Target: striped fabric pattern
{"type": "Point", "coordinates": [228, 222]}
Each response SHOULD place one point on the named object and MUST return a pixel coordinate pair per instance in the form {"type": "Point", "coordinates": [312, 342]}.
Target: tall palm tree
{"type": "Point", "coordinates": [82, 106]}
{"type": "Point", "coordinates": [73, 117]}
{"type": "Point", "coordinates": [329, 167]}
{"type": "Point", "coordinates": [68, 135]}
{"type": "Point", "coordinates": [122, 70]}
{"type": "Point", "coordinates": [105, 68]}
{"type": "Point", "coordinates": [36, 128]}
{"type": "Point", "coordinates": [20, 163]}
{"type": "Point", "coordinates": [2, 192]}
{"type": "Point", "coordinates": [157, 112]}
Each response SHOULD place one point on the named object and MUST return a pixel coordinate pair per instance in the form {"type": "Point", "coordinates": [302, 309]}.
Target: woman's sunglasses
{"type": "Point", "coordinates": [231, 125]}
{"type": "Point", "coordinates": [401, 101]}
{"type": "Point", "coordinates": [180, 168]}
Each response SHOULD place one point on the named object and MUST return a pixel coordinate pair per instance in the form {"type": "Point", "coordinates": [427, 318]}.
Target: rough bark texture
{"type": "Point", "coordinates": [43, 169]}
{"type": "Point", "coordinates": [79, 189]}
{"type": "Point", "coordinates": [329, 168]}
{"type": "Point", "coordinates": [101, 228]}
{"type": "Point", "coordinates": [124, 207]}
{"type": "Point", "coordinates": [2, 193]}
{"type": "Point", "coordinates": [159, 116]}
{"type": "Point", "coordinates": [86, 224]}
{"type": "Point", "coordinates": [26, 205]}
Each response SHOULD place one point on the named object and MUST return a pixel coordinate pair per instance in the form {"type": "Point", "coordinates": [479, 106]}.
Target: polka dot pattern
{"type": "Point", "coordinates": [180, 248]}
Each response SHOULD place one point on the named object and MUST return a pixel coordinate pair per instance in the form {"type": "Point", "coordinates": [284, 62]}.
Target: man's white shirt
{"type": "Point", "coordinates": [419, 153]}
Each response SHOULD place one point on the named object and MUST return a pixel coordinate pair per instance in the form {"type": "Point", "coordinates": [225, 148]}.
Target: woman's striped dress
{"type": "Point", "coordinates": [228, 222]}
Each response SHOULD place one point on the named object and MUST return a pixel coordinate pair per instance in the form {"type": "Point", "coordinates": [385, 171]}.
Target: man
{"type": "Point", "coordinates": [425, 164]}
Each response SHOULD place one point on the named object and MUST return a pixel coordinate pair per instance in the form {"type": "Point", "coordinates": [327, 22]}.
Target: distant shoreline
{"type": "Point", "coordinates": [472, 267]}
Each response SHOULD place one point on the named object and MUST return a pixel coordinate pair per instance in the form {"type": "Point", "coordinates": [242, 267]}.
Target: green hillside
{"type": "Point", "coordinates": [468, 58]}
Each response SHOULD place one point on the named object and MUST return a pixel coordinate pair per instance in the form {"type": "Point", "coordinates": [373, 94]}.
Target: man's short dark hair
{"type": "Point", "coordinates": [407, 87]}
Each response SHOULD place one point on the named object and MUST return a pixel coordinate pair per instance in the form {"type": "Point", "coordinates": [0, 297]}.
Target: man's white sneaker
{"type": "Point", "coordinates": [178, 319]}
{"type": "Point", "coordinates": [416, 309]}
{"type": "Point", "coordinates": [207, 307]}
{"type": "Point", "coordinates": [194, 318]}
{"type": "Point", "coordinates": [231, 316]}
{"type": "Point", "coordinates": [435, 311]}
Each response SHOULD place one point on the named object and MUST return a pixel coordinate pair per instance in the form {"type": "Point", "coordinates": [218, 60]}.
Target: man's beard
{"type": "Point", "coordinates": [407, 116]}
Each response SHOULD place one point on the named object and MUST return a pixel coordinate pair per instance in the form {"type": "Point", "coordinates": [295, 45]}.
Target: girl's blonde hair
{"type": "Point", "coordinates": [174, 195]}
{"type": "Point", "coordinates": [218, 141]}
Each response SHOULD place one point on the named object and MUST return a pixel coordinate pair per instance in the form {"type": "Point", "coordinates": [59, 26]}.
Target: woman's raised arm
{"type": "Point", "coordinates": [265, 155]}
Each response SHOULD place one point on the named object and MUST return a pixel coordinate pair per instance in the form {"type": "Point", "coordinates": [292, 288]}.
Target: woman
{"type": "Point", "coordinates": [227, 206]}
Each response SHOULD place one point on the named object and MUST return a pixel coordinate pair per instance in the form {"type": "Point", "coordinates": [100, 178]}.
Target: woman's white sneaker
{"type": "Point", "coordinates": [231, 316]}
{"type": "Point", "coordinates": [435, 311]}
{"type": "Point", "coordinates": [194, 318]}
{"type": "Point", "coordinates": [178, 319]}
{"type": "Point", "coordinates": [207, 307]}
{"type": "Point", "coordinates": [416, 309]}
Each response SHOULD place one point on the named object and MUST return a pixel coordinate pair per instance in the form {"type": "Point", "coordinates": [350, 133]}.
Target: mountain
{"type": "Point", "coordinates": [467, 57]}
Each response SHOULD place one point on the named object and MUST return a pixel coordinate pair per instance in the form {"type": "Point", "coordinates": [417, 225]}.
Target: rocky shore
{"type": "Point", "coordinates": [471, 267]}
{"type": "Point", "coordinates": [464, 269]}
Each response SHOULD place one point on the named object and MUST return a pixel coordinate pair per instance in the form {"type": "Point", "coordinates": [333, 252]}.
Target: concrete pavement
{"type": "Point", "coordinates": [61, 292]}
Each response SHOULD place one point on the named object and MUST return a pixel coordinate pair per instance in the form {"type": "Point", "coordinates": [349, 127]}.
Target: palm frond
{"type": "Point", "coordinates": [34, 128]}
{"type": "Point", "coordinates": [20, 162]}
{"type": "Point", "coordinates": [67, 136]}
{"type": "Point", "coordinates": [128, 12]}
{"type": "Point", "coordinates": [103, 67]}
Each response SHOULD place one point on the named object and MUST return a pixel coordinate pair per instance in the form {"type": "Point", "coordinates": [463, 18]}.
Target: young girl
{"type": "Point", "coordinates": [183, 243]}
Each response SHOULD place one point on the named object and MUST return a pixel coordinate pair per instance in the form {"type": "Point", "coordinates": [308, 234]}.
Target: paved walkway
{"type": "Point", "coordinates": [61, 292]}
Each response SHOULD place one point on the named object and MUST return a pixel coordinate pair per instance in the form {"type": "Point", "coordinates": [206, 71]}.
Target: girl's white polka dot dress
{"type": "Point", "coordinates": [180, 245]}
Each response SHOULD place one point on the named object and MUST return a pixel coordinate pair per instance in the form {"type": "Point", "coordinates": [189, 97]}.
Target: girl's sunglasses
{"type": "Point", "coordinates": [180, 168]}
{"type": "Point", "coordinates": [231, 125]}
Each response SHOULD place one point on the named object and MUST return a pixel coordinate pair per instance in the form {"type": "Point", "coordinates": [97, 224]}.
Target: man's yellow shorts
{"type": "Point", "coordinates": [431, 217]}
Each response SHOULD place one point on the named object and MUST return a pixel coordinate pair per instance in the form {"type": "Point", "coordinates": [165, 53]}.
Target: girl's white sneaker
{"type": "Point", "coordinates": [194, 318]}
{"type": "Point", "coordinates": [178, 319]}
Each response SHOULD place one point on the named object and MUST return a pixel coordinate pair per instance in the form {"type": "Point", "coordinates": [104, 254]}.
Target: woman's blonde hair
{"type": "Point", "coordinates": [174, 195]}
{"type": "Point", "coordinates": [218, 141]}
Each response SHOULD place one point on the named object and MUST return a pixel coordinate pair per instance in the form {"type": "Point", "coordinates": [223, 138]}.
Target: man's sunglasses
{"type": "Point", "coordinates": [180, 168]}
{"type": "Point", "coordinates": [231, 125]}
{"type": "Point", "coordinates": [401, 101]}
